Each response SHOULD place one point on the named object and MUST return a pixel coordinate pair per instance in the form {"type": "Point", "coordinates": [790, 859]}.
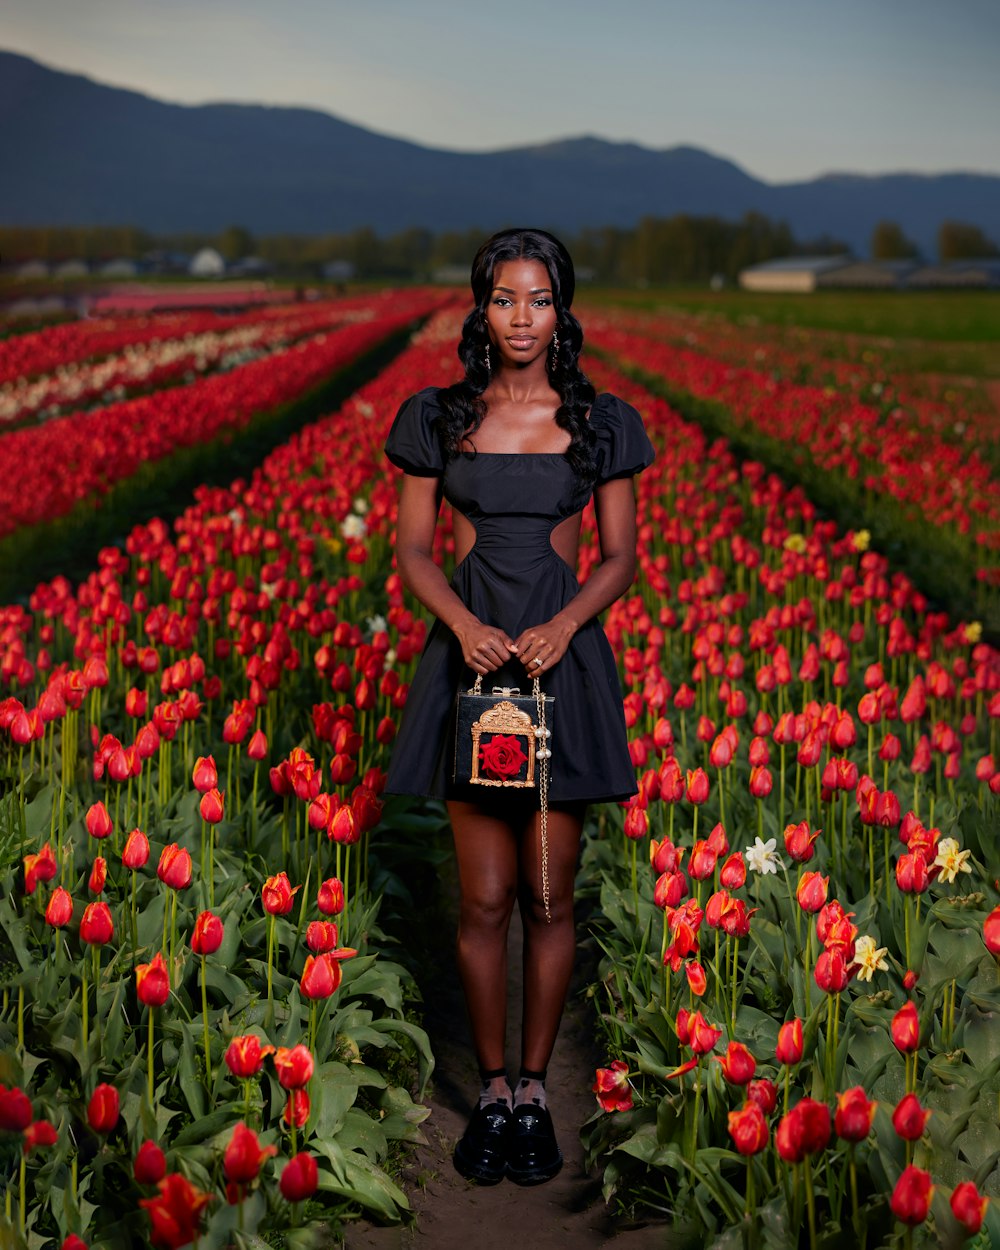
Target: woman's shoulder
{"type": "Point", "coordinates": [413, 444]}
{"type": "Point", "coordinates": [610, 410]}
{"type": "Point", "coordinates": [427, 397]}
{"type": "Point", "coordinates": [623, 446]}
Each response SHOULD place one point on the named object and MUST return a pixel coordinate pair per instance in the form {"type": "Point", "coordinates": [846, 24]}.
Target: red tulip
{"type": "Point", "coordinates": [748, 1129]}
{"type": "Point", "coordinates": [831, 972]}
{"type": "Point", "coordinates": [135, 853]}
{"type": "Point", "coordinates": [636, 821]}
{"type": "Point", "coordinates": [175, 1212]}
{"type": "Point", "coordinates": [696, 979]}
{"type": "Point", "coordinates": [811, 891]}
{"type": "Point", "coordinates": [697, 785]}
{"type": "Point", "coordinates": [905, 1028]}
{"type": "Point", "coordinates": [73, 1242]}
{"type": "Point", "coordinates": [344, 826]}
{"type": "Point", "coordinates": [330, 900]}
{"type": "Point", "coordinates": [321, 936]}
{"type": "Point", "coordinates": [245, 1055]}
{"type": "Point", "coordinates": [968, 1206]}
{"type": "Point", "coordinates": [206, 937]}
{"type": "Point", "coordinates": [799, 841]}
{"type": "Point", "coordinates": [205, 774]}
{"type": "Point", "coordinates": [96, 926]}
{"type": "Point", "coordinates": [790, 1044]}
{"type": "Point", "coordinates": [15, 1109]}
{"type": "Point", "coordinates": [294, 1066]}
{"type": "Point", "coordinates": [103, 1108]}
{"type": "Point", "coordinates": [854, 1115]}
{"type": "Point", "coordinates": [760, 781]}
{"type": "Point", "coordinates": [671, 779]}
{"type": "Point", "coordinates": [803, 1131]}
{"type": "Point", "coordinates": [152, 982]}
{"type": "Point", "coordinates": [59, 911]}
{"type": "Point", "coordinates": [174, 868]}
{"type": "Point", "coordinates": [738, 1065]}
{"type": "Point", "coordinates": [212, 806]}
{"type": "Point", "coordinates": [733, 874]}
{"type": "Point", "coordinates": [703, 860]}
{"type": "Point", "coordinates": [612, 1087]}
{"type": "Point", "coordinates": [277, 895]}
{"type": "Point", "coordinates": [38, 1134]}
{"type": "Point", "coordinates": [40, 866]}
{"type": "Point", "coordinates": [257, 746]}
{"type": "Point", "coordinates": [320, 977]}
{"type": "Point", "coordinates": [911, 1199]}
{"type": "Point", "coordinates": [98, 821]}
{"type": "Point", "coordinates": [912, 874]}
{"type": "Point", "coordinates": [702, 1036]}
{"type": "Point", "coordinates": [150, 1164]}
{"type": "Point", "coordinates": [297, 1108]}
{"type": "Point", "coordinates": [98, 875]}
{"type": "Point", "coordinates": [764, 1093]}
{"type": "Point", "coordinates": [299, 1178]}
{"type": "Point", "coordinates": [244, 1154]}
{"type": "Point", "coordinates": [909, 1119]}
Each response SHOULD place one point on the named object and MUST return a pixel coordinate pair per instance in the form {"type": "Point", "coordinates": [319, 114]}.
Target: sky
{"type": "Point", "coordinates": [789, 89]}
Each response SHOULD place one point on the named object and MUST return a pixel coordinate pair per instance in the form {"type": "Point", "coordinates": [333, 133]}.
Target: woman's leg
{"type": "Point", "coordinates": [549, 948]}
{"type": "Point", "coordinates": [486, 850]}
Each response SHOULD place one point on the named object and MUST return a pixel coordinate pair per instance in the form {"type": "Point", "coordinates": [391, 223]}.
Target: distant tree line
{"type": "Point", "coordinates": [956, 240]}
{"type": "Point", "coordinates": [659, 250]}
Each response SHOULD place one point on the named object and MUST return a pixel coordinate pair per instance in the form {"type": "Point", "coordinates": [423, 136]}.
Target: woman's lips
{"type": "Point", "coordinates": [520, 340]}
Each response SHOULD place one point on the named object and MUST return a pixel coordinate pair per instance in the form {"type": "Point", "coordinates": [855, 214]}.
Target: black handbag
{"type": "Point", "coordinates": [504, 739]}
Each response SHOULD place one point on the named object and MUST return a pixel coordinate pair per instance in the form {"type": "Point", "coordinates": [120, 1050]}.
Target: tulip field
{"type": "Point", "coordinates": [919, 468]}
{"type": "Point", "coordinates": [209, 1033]}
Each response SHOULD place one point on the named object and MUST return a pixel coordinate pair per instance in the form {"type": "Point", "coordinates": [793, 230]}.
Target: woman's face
{"type": "Point", "coordinates": [521, 315]}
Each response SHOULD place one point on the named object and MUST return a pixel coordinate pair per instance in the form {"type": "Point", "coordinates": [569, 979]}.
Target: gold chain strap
{"type": "Point", "coordinates": [543, 755]}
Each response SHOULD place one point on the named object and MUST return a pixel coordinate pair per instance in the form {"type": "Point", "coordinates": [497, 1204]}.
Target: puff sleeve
{"type": "Point", "coordinates": [623, 447]}
{"type": "Point", "coordinates": [413, 444]}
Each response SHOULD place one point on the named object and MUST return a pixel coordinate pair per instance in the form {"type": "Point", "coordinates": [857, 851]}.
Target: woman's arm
{"type": "Point", "coordinates": [614, 504]}
{"type": "Point", "coordinates": [484, 647]}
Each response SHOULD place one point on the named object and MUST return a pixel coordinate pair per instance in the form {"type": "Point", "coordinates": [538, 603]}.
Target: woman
{"type": "Point", "coordinates": [517, 448]}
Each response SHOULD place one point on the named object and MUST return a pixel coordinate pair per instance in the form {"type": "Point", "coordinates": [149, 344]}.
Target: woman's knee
{"type": "Point", "coordinates": [487, 910]}
{"type": "Point", "coordinates": [560, 906]}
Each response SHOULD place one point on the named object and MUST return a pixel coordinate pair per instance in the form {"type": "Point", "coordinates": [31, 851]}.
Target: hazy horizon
{"type": "Point", "coordinates": [784, 92]}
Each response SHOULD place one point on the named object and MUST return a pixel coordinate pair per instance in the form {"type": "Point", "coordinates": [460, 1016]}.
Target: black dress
{"type": "Point", "coordinates": [513, 578]}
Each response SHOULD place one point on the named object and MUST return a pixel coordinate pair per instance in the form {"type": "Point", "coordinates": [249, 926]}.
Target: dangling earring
{"type": "Point", "coordinates": [486, 357]}
{"type": "Point", "coordinates": [555, 345]}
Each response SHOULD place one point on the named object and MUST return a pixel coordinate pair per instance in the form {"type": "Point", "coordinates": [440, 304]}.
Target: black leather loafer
{"type": "Point", "coordinates": [481, 1155]}
{"type": "Point", "coordinates": [533, 1155]}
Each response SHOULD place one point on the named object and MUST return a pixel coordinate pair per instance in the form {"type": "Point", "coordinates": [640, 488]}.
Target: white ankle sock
{"type": "Point", "coordinates": [529, 1091]}
{"type": "Point", "coordinates": [495, 1090]}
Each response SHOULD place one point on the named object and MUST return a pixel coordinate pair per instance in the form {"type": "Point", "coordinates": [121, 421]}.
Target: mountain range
{"type": "Point", "coordinates": [78, 152]}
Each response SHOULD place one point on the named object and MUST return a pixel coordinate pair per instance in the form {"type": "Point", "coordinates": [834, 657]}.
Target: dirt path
{"type": "Point", "coordinates": [453, 1214]}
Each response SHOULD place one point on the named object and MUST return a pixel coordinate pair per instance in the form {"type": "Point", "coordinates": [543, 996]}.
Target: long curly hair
{"type": "Point", "coordinates": [461, 406]}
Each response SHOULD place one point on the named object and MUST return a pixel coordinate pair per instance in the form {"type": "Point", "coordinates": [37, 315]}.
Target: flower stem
{"type": "Point", "coordinates": [149, 1056]}
{"type": "Point", "coordinates": [86, 1007]}
{"type": "Point", "coordinates": [204, 1023]}
{"type": "Point", "coordinates": [810, 1203]}
{"type": "Point", "coordinates": [270, 959]}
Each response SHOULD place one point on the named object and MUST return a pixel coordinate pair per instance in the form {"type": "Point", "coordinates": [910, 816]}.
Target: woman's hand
{"type": "Point", "coordinates": [546, 643]}
{"type": "Point", "coordinates": [484, 647]}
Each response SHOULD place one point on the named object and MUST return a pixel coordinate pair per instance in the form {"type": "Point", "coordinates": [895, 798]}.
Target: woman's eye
{"type": "Point", "coordinates": [543, 303]}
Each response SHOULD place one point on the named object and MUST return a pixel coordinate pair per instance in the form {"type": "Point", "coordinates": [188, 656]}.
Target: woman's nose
{"type": "Point", "coordinates": [521, 315]}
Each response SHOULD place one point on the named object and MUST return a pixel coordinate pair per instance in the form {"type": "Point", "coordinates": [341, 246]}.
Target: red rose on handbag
{"type": "Point", "coordinates": [502, 756]}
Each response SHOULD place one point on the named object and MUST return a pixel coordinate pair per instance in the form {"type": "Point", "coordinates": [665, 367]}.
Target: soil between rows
{"type": "Point", "coordinates": [454, 1214]}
